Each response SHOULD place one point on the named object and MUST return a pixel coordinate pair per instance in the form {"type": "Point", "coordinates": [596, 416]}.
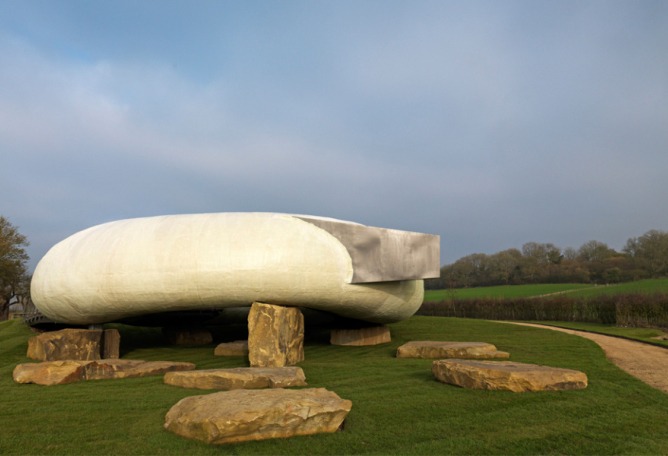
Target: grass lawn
{"type": "Point", "coordinates": [504, 291]}
{"type": "Point", "coordinates": [639, 286]}
{"type": "Point", "coordinates": [575, 290]}
{"type": "Point", "coordinates": [647, 335]}
{"type": "Point", "coordinates": [398, 408]}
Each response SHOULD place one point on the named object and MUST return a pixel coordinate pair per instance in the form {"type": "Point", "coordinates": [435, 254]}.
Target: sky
{"type": "Point", "coordinates": [489, 123]}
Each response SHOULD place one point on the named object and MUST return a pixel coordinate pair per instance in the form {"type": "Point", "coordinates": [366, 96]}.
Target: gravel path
{"type": "Point", "coordinates": [645, 362]}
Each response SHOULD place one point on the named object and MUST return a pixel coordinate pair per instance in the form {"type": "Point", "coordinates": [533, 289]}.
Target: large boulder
{"type": "Point", "coordinates": [429, 349]}
{"type": "Point", "coordinates": [74, 344]}
{"type": "Point", "coordinates": [238, 378]}
{"type": "Point", "coordinates": [506, 375]}
{"type": "Point", "coordinates": [275, 335]}
{"type": "Point", "coordinates": [242, 415]}
{"type": "Point", "coordinates": [61, 372]}
{"type": "Point", "coordinates": [370, 335]}
{"type": "Point", "coordinates": [235, 348]}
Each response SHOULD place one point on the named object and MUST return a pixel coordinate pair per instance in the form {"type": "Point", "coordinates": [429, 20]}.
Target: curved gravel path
{"type": "Point", "coordinates": [646, 362]}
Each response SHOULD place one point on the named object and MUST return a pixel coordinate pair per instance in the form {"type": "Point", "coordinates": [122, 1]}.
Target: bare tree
{"type": "Point", "coordinates": [593, 251]}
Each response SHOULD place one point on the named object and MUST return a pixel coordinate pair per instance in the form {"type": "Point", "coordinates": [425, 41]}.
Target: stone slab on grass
{"type": "Point", "coordinates": [70, 371]}
{"type": "Point", "coordinates": [236, 348]}
{"type": "Point", "coordinates": [238, 378]}
{"type": "Point", "coordinates": [371, 335]}
{"type": "Point", "coordinates": [243, 415]}
{"type": "Point", "coordinates": [74, 344]}
{"type": "Point", "coordinates": [507, 376]}
{"type": "Point", "coordinates": [429, 349]}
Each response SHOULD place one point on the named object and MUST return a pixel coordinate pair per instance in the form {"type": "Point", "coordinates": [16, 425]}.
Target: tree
{"type": "Point", "coordinates": [13, 273]}
{"type": "Point", "coordinates": [570, 254]}
{"type": "Point", "coordinates": [601, 261]}
{"type": "Point", "coordinates": [504, 267]}
{"type": "Point", "coordinates": [650, 251]}
{"type": "Point", "coordinates": [543, 254]}
{"type": "Point", "coordinates": [595, 251]}
{"type": "Point", "coordinates": [468, 271]}
{"type": "Point", "coordinates": [537, 261]}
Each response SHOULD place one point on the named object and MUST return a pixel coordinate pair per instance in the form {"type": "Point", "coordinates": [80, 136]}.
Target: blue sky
{"type": "Point", "coordinates": [489, 123]}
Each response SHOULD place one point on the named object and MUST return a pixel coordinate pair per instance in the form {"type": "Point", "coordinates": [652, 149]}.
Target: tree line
{"type": "Point", "coordinates": [642, 257]}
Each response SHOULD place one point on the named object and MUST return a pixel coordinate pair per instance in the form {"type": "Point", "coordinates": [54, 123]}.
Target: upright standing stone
{"type": "Point", "coordinates": [111, 344]}
{"type": "Point", "coordinates": [275, 335]}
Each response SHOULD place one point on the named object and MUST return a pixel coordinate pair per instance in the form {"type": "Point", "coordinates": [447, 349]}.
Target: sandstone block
{"type": "Point", "coordinates": [70, 371]}
{"type": "Point", "coordinates": [372, 335]}
{"type": "Point", "coordinates": [438, 350]}
{"type": "Point", "coordinates": [275, 335]}
{"type": "Point", "coordinates": [111, 344]}
{"type": "Point", "coordinates": [238, 378]}
{"type": "Point", "coordinates": [50, 372]}
{"type": "Point", "coordinates": [236, 348]}
{"type": "Point", "coordinates": [188, 336]}
{"type": "Point", "coordinates": [506, 375]}
{"type": "Point", "coordinates": [243, 415]}
{"type": "Point", "coordinates": [66, 344]}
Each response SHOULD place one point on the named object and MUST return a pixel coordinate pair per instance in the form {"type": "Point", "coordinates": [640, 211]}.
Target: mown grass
{"type": "Point", "coordinates": [648, 286]}
{"type": "Point", "coordinates": [503, 291]}
{"type": "Point", "coordinates": [398, 408]}
{"type": "Point", "coordinates": [535, 290]}
{"type": "Point", "coordinates": [646, 335]}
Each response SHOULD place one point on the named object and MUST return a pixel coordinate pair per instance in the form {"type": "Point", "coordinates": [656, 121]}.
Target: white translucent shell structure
{"type": "Point", "coordinates": [212, 261]}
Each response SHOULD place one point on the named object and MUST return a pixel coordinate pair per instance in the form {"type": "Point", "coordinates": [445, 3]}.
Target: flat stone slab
{"type": "Point", "coordinates": [70, 371]}
{"type": "Point", "coordinates": [242, 415]}
{"type": "Point", "coordinates": [372, 335]}
{"type": "Point", "coordinates": [430, 349]}
{"type": "Point", "coordinates": [507, 375]}
{"type": "Point", "coordinates": [238, 378]}
{"type": "Point", "coordinates": [236, 348]}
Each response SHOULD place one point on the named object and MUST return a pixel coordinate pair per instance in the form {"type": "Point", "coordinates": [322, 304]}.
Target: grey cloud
{"type": "Point", "coordinates": [490, 123]}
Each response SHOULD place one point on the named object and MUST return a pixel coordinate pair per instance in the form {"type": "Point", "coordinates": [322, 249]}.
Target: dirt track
{"type": "Point", "coordinates": [645, 362]}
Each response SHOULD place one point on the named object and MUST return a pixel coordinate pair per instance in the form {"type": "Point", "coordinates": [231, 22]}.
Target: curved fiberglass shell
{"type": "Point", "coordinates": [149, 265]}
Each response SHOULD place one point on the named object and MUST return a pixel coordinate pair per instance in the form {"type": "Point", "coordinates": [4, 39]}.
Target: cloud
{"type": "Point", "coordinates": [489, 123]}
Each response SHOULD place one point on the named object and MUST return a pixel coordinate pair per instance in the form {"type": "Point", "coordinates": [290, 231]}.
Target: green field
{"type": "Point", "coordinates": [503, 291]}
{"type": "Point", "coordinates": [526, 291]}
{"type": "Point", "coordinates": [647, 335]}
{"type": "Point", "coordinates": [398, 408]}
